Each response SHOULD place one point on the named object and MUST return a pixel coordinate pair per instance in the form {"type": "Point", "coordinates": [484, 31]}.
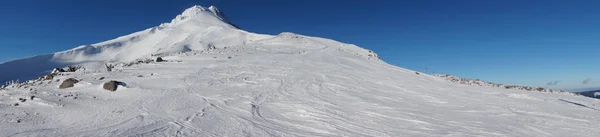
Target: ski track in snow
{"type": "Point", "coordinates": [221, 81]}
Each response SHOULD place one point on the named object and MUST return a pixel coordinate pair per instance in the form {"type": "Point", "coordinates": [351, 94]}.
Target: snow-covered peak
{"type": "Point", "coordinates": [202, 15]}
{"type": "Point", "coordinates": [213, 9]}
{"type": "Point", "coordinates": [193, 11]}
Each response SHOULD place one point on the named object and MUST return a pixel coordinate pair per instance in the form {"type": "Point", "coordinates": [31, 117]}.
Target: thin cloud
{"type": "Point", "coordinates": [552, 83]}
{"type": "Point", "coordinates": [587, 81]}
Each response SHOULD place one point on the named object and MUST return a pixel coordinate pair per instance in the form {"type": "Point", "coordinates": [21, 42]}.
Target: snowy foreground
{"type": "Point", "coordinates": [284, 85]}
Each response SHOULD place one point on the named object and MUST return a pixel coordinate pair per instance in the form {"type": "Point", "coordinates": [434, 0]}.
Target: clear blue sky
{"type": "Point", "coordinates": [511, 42]}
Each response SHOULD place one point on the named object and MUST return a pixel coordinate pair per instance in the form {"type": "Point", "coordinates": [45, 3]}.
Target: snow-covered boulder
{"type": "Point", "coordinates": [111, 85]}
{"type": "Point", "coordinates": [68, 83]}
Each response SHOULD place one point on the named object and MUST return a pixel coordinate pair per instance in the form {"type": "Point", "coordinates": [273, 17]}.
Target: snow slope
{"type": "Point", "coordinates": [228, 82]}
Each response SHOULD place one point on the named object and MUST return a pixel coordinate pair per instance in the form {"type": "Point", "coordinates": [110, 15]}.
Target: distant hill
{"type": "Point", "coordinates": [592, 94]}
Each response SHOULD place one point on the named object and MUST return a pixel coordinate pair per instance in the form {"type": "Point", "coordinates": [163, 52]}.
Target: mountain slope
{"type": "Point", "coordinates": [284, 85]}
{"type": "Point", "coordinates": [197, 28]}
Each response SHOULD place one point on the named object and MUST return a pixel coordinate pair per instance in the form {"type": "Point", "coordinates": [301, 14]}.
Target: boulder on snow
{"type": "Point", "coordinates": [159, 59]}
{"type": "Point", "coordinates": [112, 85]}
{"type": "Point", "coordinates": [68, 83]}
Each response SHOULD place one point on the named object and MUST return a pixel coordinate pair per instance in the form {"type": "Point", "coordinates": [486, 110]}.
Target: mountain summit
{"type": "Point", "coordinates": [210, 15]}
{"type": "Point", "coordinates": [199, 75]}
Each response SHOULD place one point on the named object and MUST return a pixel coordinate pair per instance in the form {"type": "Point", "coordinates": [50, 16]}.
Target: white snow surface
{"type": "Point", "coordinates": [219, 80]}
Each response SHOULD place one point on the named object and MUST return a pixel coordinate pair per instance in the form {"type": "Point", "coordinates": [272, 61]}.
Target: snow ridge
{"type": "Point", "coordinates": [477, 82]}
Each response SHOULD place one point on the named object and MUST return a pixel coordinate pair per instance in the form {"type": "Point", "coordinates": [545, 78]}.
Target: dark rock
{"type": "Point", "coordinates": [159, 59]}
{"type": "Point", "coordinates": [101, 78]}
{"type": "Point", "coordinates": [73, 68]}
{"type": "Point", "coordinates": [68, 83]}
{"type": "Point", "coordinates": [32, 97]}
{"type": "Point", "coordinates": [56, 70]}
{"type": "Point", "coordinates": [16, 104]}
{"type": "Point", "coordinates": [22, 99]}
{"type": "Point", "coordinates": [112, 85]}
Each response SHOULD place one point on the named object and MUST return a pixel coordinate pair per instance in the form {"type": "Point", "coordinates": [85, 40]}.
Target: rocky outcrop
{"type": "Point", "coordinates": [477, 82]}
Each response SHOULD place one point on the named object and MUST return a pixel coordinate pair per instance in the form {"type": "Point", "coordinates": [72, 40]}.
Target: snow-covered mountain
{"type": "Point", "coordinates": [196, 29]}
{"type": "Point", "coordinates": [218, 80]}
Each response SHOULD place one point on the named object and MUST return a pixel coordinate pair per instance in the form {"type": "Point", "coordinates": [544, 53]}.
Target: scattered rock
{"type": "Point", "coordinates": [68, 83]}
{"type": "Point", "coordinates": [49, 76]}
{"type": "Point", "coordinates": [109, 67]}
{"type": "Point", "coordinates": [57, 70]}
{"type": "Point", "coordinates": [140, 76]}
{"type": "Point", "coordinates": [229, 57]}
{"type": "Point", "coordinates": [32, 97]}
{"type": "Point", "coordinates": [159, 59]}
{"type": "Point", "coordinates": [101, 78]}
{"type": "Point", "coordinates": [22, 99]}
{"type": "Point", "coordinates": [112, 85]}
{"type": "Point", "coordinates": [73, 68]}
{"type": "Point", "coordinates": [417, 73]}
{"type": "Point", "coordinates": [16, 104]}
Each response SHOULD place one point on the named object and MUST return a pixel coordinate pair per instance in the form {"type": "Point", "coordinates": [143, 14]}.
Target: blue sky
{"type": "Point", "coordinates": [512, 42]}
